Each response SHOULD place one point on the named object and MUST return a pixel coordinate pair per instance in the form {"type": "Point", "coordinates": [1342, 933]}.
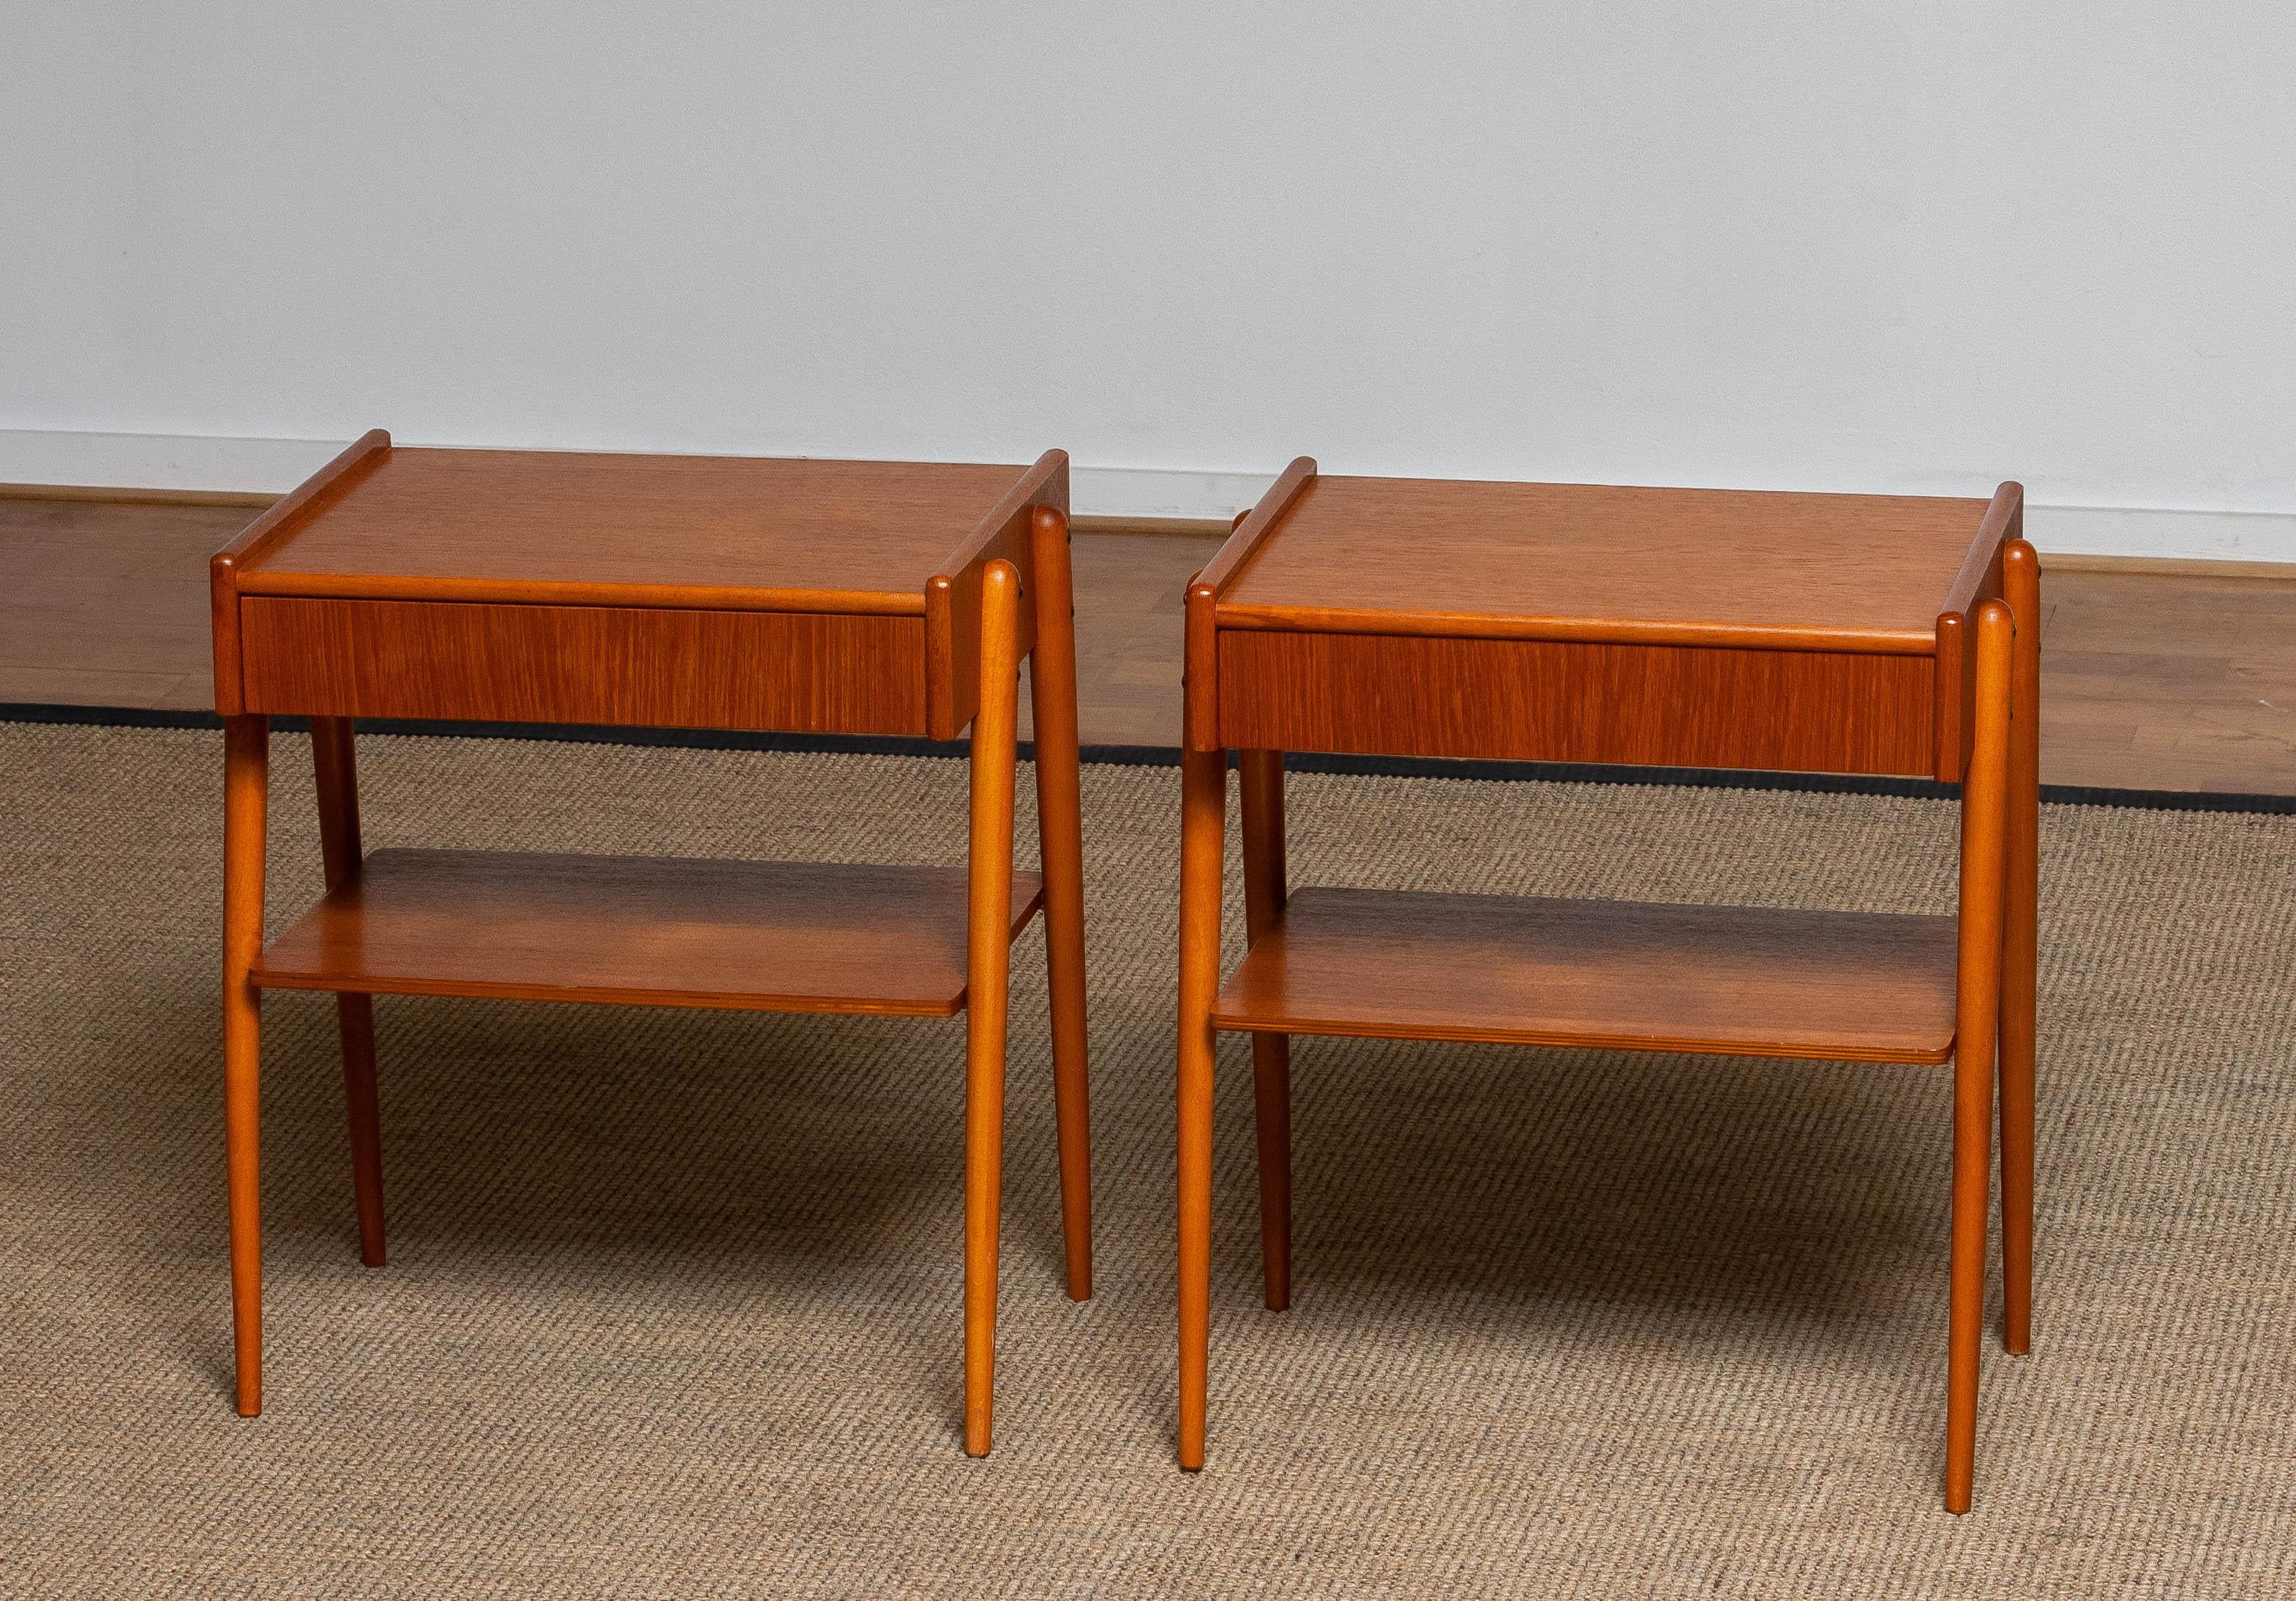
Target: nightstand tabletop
{"type": "Point", "coordinates": [1600, 563]}
{"type": "Point", "coordinates": [533, 525]}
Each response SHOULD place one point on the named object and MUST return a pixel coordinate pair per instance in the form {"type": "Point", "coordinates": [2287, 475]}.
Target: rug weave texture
{"type": "Point", "coordinates": [673, 1300]}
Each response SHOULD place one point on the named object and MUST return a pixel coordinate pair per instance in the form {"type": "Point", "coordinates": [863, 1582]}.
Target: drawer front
{"type": "Point", "coordinates": [796, 672]}
{"type": "Point", "coordinates": [1519, 700]}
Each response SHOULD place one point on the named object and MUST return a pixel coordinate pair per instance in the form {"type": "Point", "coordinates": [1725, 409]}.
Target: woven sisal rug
{"type": "Point", "coordinates": [673, 1301]}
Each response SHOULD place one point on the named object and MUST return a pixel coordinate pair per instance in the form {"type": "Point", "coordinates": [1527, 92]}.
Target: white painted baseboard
{"type": "Point", "coordinates": [143, 461]}
{"type": "Point", "coordinates": [1148, 492]}
{"type": "Point", "coordinates": [159, 461]}
{"type": "Point", "coordinates": [2145, 531]}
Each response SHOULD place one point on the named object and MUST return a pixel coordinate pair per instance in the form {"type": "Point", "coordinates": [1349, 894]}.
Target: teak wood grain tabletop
{"type": "Point", "coordinates": [1594, 623]}
{"type": "Point", "coordinates": [811, 596]}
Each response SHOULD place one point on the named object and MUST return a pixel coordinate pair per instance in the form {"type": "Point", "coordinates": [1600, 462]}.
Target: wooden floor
{"type": "Point", "coordinates": [2148, 681]}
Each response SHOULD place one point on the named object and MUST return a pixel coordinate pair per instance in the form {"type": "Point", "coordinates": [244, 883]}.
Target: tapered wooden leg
{"type": "Point", "coordinates": [1984, 798]}
{"type": "Point", "coordinates": [988, 936]}
{"type": "Point", "coordinates": [1203, 819]}
{"type": "Point", "coordinates": [1261, 773]}
{"type": "Point", "coordinates": [246, 777]}
{"type": "Point", "coordinates": [1060, 832]}
{"type": "Point", "coordinates": [2020, 581]}
{"type": "Point", "coordinates": [336, 767]}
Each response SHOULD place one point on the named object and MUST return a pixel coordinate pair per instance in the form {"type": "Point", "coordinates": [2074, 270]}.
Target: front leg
{"type": "Point", "coordinates": [989, 939]}
{"type": "Point", "coordinates": [247, 750]}
{"type": "Point", "coordinates": [1978, 980]}
{"type": "Point", "coordinates": [1203, 819]}
{"type": "Point", "coordinates": [2021, 582]}
{"type": "Point", "coordinates": [1060, 830]}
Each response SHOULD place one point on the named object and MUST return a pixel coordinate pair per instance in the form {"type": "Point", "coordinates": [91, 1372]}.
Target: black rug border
{"type": "Point", "coordinates": [1166, 756]}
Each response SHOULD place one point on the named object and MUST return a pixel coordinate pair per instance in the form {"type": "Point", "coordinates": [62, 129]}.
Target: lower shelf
{"type": "Point", "coordinates": [1741, 980]}
{"type": "Point", "coordinates": [650, 931]}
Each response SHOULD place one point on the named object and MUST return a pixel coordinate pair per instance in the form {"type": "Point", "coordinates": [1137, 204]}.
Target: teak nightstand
{"type": "Point", "coordinates": [807, 596]}
{"type": "Point", "coordinates": [1579, 623]}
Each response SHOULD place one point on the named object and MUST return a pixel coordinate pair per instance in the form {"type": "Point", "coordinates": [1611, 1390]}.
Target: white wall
{"type": "Point", "coordinates": [1891, 246]}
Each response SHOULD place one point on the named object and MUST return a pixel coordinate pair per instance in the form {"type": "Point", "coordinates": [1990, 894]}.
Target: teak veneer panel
{"type": "Point", "coordinates": [1594, 561]}
{"type": "Point", "coordinates": [768, 533]}
{"type": "Point", "coordinates": [952, 596]}
{"type": "Point", "coordinates": [1525, 699]}
{"type": "Point", "coordinates": [791, 671]}
{"type": "Point", "coordinates": [653, 930]}
{"type": "Point", "coordinates": [1740, 980]}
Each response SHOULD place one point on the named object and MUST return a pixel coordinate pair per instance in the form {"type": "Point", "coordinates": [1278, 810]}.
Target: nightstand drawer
{"type": "Point", "coordinates": [1531, 700]}
{"type": "Point", "coordinates": [793, 672]}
